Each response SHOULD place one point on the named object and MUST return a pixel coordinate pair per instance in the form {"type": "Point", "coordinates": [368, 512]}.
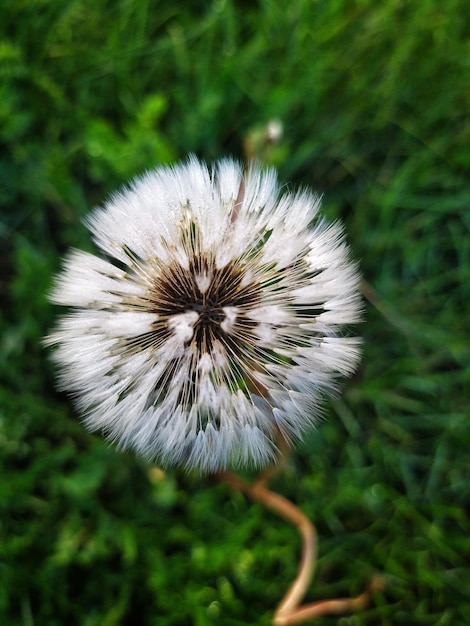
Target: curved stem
{"type": "Point", "coordinates": [337, 606]}
{"type": "Point", "coordinates": [288, 612]}
{"type": "Point", "coordinates": [288, 510]}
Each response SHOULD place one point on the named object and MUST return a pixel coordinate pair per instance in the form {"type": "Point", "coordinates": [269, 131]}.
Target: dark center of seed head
{"type": "Point", "coordinates": [177, 291]}
{"type": "Point", "coordinates": [209, 309]}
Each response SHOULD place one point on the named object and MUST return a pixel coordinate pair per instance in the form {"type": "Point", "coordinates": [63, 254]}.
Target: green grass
{"type": "Point", "coordinates": [374, 98]}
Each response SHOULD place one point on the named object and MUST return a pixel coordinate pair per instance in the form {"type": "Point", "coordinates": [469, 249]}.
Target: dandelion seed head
{"type": "Point", "coordinates": [213, 323]}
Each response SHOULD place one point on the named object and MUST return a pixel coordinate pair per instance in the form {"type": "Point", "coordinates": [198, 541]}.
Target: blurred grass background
{"type": "Point", "coordinates": [374, 98]}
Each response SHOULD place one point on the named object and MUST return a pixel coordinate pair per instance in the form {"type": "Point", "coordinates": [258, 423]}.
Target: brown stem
{"type": "Point", "coordinates": [288, 612]}
{"type": "Point", "coordinates": [337, 606]}
{"type": "Point", "coordinates": [257, 491]}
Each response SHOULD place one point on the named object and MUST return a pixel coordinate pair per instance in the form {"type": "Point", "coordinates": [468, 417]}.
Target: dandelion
{"type": "Point", "coordinates": [213, 324]}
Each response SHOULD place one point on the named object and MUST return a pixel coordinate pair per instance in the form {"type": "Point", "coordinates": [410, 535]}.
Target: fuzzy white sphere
{"type": "Point", "coordinates": [212, 324]}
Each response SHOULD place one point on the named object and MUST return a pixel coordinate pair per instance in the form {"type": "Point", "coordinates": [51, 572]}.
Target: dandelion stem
{"type": "Point", "coordinates": [288, 612]}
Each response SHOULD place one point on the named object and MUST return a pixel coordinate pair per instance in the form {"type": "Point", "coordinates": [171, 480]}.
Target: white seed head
{"type": "Point", "coordinates": [214, 324]}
